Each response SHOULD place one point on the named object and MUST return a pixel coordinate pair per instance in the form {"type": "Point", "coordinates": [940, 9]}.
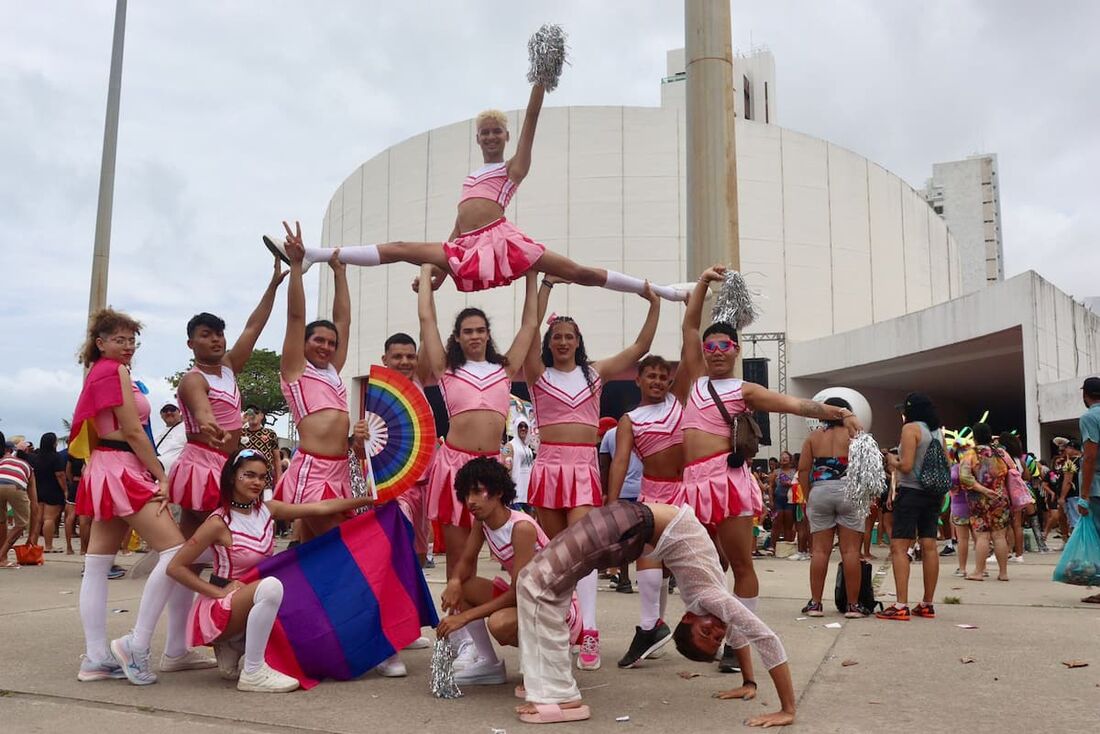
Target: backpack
{"type": "Point", "coordinates": [866, 589]}
{"type": "Point", "coordinates": [935, 474]}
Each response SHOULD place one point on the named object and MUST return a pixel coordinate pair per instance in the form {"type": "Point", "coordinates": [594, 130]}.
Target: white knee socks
{"type": "Point", "coordinates": [748, 602]}
{"type": "Point", "coordinates": [366, 255]}
{"type": "Point", "coordinates": [93, 606]}
{"type": "Point", "coordinates": [479, 633]}
{"type": "Point", "coordinates": [261, 618]}
{"type": "Point", "coordinates": [623, 283]}
{"type": "Point", "coordinates": [650, 581]}
{"type": "Point", "coordinates": [153, 598]}
{"type": "Point", "coordinates": [179, 608]}
{"type": "Point", "coordinates": [586, 595]}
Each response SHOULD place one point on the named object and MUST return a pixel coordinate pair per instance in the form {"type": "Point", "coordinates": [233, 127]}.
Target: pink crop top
{"type": "Point", "coordinates": [566, 397]}
{"type": "Point", "coordinates": [500, 540]}
{"type": "Point", "coordinates": [657, 427]}
{"type": "Point", "coordinates": [476, 386]}
{"type": "Point", "coordinates": [253, 541]}
{"type": "Point", "coordinates": [700, 412]}
{"type": "Point", "coordinates": [106, 422]}
{"type": "Point", "coordinates": [225, 401]}
{"type": "Point", "coordinates": [489, 182]}
{"type": "Point", "coordinates": [315, 390]}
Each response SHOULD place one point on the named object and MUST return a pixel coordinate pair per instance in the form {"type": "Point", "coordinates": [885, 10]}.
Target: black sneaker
{"type": "Point", "coordinates": [813, 609]}
{"type": "Point", "coordinates": [116, 572]}
{"type": "Point", "coordinates": [728, 663]}
{"type": "Point", "coordinates": [948, 550]}
{"type": "Point", "coordinates": [624, 587]}
{"type": "Point", "coordinates": [645, 643]}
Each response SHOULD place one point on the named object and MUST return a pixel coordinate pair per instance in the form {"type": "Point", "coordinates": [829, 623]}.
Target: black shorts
{"type": "Point", "coordinates": [916, 514]}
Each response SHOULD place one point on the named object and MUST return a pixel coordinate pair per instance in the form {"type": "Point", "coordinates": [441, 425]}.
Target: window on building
{"type": "Point", "coordinates": [748, 97]}
{"type": "Point", "coordinates": [767, 116]}
{"type": "Point", "coordinates": [938, 209]}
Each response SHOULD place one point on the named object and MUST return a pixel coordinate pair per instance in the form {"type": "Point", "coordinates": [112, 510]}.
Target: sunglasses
{"type": "Point", "coordinates": [719, 346]}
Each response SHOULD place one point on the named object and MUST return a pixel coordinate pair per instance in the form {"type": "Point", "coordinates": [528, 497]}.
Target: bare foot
{"type": "Point", "coordinates": [529, 708]}
{"type": "Point", "coordinates": [974, 578]}
{"type": "Point", "coordinates": [1002, 578]}
{"type": "Point", "coordinates": [745, 693]}
{"type": "Point", "coordinates": [779, 718]}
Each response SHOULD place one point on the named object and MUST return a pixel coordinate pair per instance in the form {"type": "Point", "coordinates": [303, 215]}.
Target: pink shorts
{"type": "Point", "coordinates": [715, 491]}
{"type": "Point", "coordinates": [564, 476]}
{"type": "Point", "coordinates": [411, 502]}
{"type": "Point", "coordinates": [208, 619]}
{"type": "Point", "coordinates": [489, 256]}
{"type": "Point", "coordinates": [443, 504]}
{"type": "Point", "coordinates": [655, 489]}
{"type": "Point", "coordinates": [193, 482]}
{"type": "Point", "coordinates": [114, 484]}
{"type": "Point", "coordinates": [313, 477]}
{"type": "Point", "coordinates": [501, 585]}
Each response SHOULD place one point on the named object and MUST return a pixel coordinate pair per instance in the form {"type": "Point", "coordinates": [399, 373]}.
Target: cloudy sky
{"type": "Point", "coordinates": [238, 114]}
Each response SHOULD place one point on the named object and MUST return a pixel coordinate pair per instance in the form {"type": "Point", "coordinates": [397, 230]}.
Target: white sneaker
{"type": "Point", "coordinates": [1016, 559]}
{"type": "Point", "coordinates": [134, 662]}
{"type": "Point", "coordinates": [467, 655]}
{"type": "Point", "coordinates": [266, 680]}
{"type": "Point", "coordinates": [992, 558]}
{"type": "Point", "coordinates": [419, 643]}
{"type": "Point", "coordinates": [191, 660]}
{"type": "Point", "coordinates": [228, 657]}
{"type": "Point", "coordinates": [276, 244]}
{"type": "Point", "coordinates": [391, 667]}
{"type": "Point", "coordinates": [959, 572]}
{"type": "Point", "coordinates": [481, 673]}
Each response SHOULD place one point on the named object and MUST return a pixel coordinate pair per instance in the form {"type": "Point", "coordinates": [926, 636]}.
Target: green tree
{"type": "Point", "coordinates": [258, 382]}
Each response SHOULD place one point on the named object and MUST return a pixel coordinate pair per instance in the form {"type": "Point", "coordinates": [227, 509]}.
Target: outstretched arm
{"type": "Point", "coordinates": [520, 163]}
{"type": "Point", "coordinates": [691, 352]}
{"type": "Point", "coordinates": [612, 366]}
{"type": "Point", "coordinates": [433, 357]}
{"type": "Point", "coordinates": [527, 329]}
{"type": "Point", "coordinates": [761, 398]}
{"type": "Point", "coordinates": [246, 342]}
{"type": "Point", "coordinates": [292, 362]}
{"type": "Point", "coordinates": [322, 508]}
{"type": "Point", "coordinates": [341, 309]}
{"type": "Point", "coordinates": [620, 463]}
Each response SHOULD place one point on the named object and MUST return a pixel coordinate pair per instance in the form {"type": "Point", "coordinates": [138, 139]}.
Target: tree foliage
{"type": "Point", "coordinates": [258, 382]}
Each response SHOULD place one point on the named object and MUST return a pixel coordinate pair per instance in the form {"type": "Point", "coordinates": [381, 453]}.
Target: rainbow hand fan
{"type": "Point", "coordinates": [402, 432]}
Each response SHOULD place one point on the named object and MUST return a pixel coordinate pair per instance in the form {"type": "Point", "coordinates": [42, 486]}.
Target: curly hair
{"type": "Point", "coordinates": [581, 356]}
{"type": "Point", "coordinates": [485, 472]}
{"type": "Point", "coordinates": [103, 323]}
{"type": "Point", "coordinates": [456, 357]}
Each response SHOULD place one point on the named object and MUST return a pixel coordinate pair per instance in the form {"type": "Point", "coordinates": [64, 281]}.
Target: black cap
{"type": "Point", "coordinates": [169, 407]}
{"type": "Point", "coordinates": [1091, 387]}
{"type": "Point", "coordinates": [913, 400]}
{"type": "Point", "coordinates": [253, 408]}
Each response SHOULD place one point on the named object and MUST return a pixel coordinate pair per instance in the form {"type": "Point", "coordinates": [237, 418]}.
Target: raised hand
{"type": "Point", "coordinates": [334, 262]}
{"type": "Point", "coordinates": [295, 250]}
{"type": "Point", "coordinates": [278, 275]}
{"type": "Point", "coordinates": [648, 294]}
{"type": "Point", "coordinates": [713, 274]}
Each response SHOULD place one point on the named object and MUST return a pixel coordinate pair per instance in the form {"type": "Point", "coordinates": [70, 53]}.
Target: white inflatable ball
{"type": "Point", "coordinates": [859, 404]}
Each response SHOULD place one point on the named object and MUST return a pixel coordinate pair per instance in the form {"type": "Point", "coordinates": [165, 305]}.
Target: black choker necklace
{"type": "Point", "coordinates": [241, 505]}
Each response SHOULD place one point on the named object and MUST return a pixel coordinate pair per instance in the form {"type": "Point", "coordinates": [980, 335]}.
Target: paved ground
{"type": "Point", "coordinates": [907, 676]}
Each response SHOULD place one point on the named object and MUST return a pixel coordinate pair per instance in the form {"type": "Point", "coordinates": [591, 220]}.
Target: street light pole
{"type": "Point", "coordinates": [101, 255]}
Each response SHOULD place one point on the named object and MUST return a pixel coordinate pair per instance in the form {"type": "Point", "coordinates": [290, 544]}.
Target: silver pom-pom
{"type": "Point", "coordinates": [443, 671]}
{"type": "Point", "coordinates": [734, 303]}
{"type": "Point", "coordinates": [865, 477]}
{"type": "Point", "coordinates": [546, 50]}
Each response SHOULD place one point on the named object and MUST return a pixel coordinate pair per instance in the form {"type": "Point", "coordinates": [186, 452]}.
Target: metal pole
{"type": "Point", "coordinates": [712, 235]}
{"type": "Point", "coordinates": [101, 256]}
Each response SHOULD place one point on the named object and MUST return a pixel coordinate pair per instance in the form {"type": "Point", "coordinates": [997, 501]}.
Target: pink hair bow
{"type": "Point", "coordinates": [551, 319]}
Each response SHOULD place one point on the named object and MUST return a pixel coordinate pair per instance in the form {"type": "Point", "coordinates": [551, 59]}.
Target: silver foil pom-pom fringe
{"type": "Point", "coordinates": [734, 303]}
{"type": "Point", "coordinates": [546, 50]}
{"type": "Point", "coordinates": [866, 476]}
{"type": "Point", "coordinates": [443, 671]}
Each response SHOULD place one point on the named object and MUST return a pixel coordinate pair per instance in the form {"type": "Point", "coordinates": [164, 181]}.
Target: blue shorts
{"type": "Point", "coordinates": [780, 498]}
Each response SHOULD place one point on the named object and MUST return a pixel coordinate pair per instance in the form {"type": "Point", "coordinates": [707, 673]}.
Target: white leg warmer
{"type": "Point", "coordinates": [366, 255]}
{"type": "Point", "coordinates": [623, 283]}
{"type": "Point", "coordinates": [664, 597]}
{"type": "Point", "coordinates": [93, 606]}
{"type": "Point", "coordinates": [261, 618]}
{"type": "Point", "coordinates": [479, 633]}
{"type": "Point", "coordinates": [586, 595]}
{"type": "Point", "coordinates": [748, 602]}
{"type": "Point", "coordinates": [153, 598]}
{"type": "Point", "coordinates": [650, 581]}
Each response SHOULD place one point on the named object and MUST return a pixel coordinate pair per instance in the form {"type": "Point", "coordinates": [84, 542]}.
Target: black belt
{"type": "Point", "coordinates": [110, 443]}
{"type": "Point", "coordinates": [218, 581]}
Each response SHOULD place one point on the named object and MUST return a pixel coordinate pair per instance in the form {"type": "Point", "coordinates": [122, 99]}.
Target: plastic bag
{"type": "Point", "coordinates": [1080, 562]}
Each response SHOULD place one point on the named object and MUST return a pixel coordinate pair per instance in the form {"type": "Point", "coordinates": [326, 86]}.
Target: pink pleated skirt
{"type": "Point", "coordinates": [443, 504]}
{"type": "Point", "coordinates": [314, 477]}
{"type": "Point", "coordinates": [114, 484]}
{"type": "Point", "coordinates": [565, 475]}
{"type": "Point", "coordinates": [490, 256]}
{"type": "Point", "coordinates": [715, 491]}
{"type": "Point", "coordinates": [193, 482]}
{"type": "Point", "coordinates": [655, 489]}
{"type": "Point", "coordinates": [209, 618]}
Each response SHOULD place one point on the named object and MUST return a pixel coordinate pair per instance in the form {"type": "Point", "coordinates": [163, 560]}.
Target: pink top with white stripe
{"type": "Point", "coordinates": [700, 412]}
{"type": "Point", "coordinates": [253, 541]}
{"type": "Point", "coordinates": [315, 390]}
{"type": "Point", "coordinates": [566, 397]}
{"type": "Point", "coordinates": [225, 401]}
{"type": "Point", "coordinates": [500, 540]}
{"type": "Point", "coordinates": [657, 427]}
{"type": "Point", "coordinates": [476, 386]}
{"type": "Point", "coordinates": [489, 182]}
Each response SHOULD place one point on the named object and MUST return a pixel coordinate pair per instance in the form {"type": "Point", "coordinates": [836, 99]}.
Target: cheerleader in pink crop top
{"type": "Point", "coordinates": [656, 428]}
{"type": "Point", "coordinates": [311, 477]}
{"type": "Point", "coordinates": [193, 479]}
{"type": "Point", "coordinates": [566, 473]}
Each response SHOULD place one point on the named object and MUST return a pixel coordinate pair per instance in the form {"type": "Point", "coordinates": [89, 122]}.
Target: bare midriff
{"type": "Point", "coordinates": [476, 430]}
{"type": "Point", "coordinates": [665, 464]}
{"type": "Point", "coordinates": [476, 213]}
{"type": "Point", "coordinates": [231, 443]}
{"type": "Point", "coordinates": [701, 444]}
{"type": "Point", "coordinates": [569, 433]}
{"type": "Point", "coordinates": [325, 432]}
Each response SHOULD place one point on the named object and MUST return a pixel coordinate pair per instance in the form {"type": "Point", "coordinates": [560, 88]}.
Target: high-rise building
{"type": "Point", "coordinates": [753, 84]}
{"type": "Point", "coordinates": [966, 194]}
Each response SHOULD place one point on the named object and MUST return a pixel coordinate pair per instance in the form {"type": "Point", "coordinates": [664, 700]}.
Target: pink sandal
{"type": "Point", "coordinates": [552, 713]}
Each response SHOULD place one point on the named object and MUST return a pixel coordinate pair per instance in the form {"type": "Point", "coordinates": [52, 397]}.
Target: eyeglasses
{"type": "Point", "coordinates": [122, 341]}
{"type": "Point", "coordinates": [719, 346]}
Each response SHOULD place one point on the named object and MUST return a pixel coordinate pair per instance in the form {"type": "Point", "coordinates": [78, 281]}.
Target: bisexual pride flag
{"type": "Point", "coordinates": [351, 598]}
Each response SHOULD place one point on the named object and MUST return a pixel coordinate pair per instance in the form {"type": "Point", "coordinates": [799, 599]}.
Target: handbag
{"type": "Point", "coordinates": [29, 555]}
{"type": "Point", "coordinates": [1018, 490]}
{"type": "Point", "coordinates": [744, 432]}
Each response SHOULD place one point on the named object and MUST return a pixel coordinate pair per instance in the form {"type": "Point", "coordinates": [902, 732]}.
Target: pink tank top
{"type": "Point", "coordinates": [106, 422]}
{"type": "Point", "coordinates": [315, 390]}
{"type": "Point", "coordinates": [566, 397]}
{"type": "Point", "coordinates": [225, 401]}
{"type": "Point", "coordinates": [500, 540]}
{"type": "Point", "coordinates": [253, 541]}
{"type": "Point", "coordinates": [700, 411]}
{"type": "Point", "coordinates": [489, 182]}
{"type": "Point", "coordinates": [657, 427]}
{"type": "Point", "coordinates": [476, 386]}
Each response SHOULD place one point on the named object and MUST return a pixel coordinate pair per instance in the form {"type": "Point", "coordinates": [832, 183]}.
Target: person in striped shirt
{"type": "Point", "coordinates": [17, 488]}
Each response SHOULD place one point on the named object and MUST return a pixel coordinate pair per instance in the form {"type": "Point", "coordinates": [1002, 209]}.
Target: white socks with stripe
{"type": "Point", "coordinates": [650, 581]}
{"type": "Point", "coordinates": [624, 283]}
{"type": "Point", "coordinates": [261, 618]}
{"type": "Point", "coordinates": [93, 606]}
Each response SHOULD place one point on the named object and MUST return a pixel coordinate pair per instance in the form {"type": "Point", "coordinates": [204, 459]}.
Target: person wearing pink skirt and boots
{"type": "Point", "coordinates": [718, 484]}
{"type": "Point", "coordinates": [484, 249]}
{"type": "Point", "coordinates": [565, 478]}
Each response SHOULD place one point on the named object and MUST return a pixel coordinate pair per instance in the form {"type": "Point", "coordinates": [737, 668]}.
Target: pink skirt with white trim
{"type": "Point", "coordinates": [193, 482]}
{"type": "Point", "coordinates": [314, 477]}
{"type": "Point", "coordinates": [114, 484]}
{"type": "Point", "coordinates": [715, 491]}
{"type": "Point", "coordinates": [664, 491]}
{"type": "Point", "coordinates": [489, 256]}
{"type": "Point", "coordinates": [208, 618]}
{"type": "Point", "coordinates": [573, 619]}
{"type": "Point", "coordinates": [564, 476]}
{"type": "Point", "coordinates": [411, 502]}
{"type": "Point", "coordinates": [443, 504]}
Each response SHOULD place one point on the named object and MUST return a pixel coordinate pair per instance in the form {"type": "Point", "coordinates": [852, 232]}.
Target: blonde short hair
{"type": "Point", "coordinates": [490, 116]}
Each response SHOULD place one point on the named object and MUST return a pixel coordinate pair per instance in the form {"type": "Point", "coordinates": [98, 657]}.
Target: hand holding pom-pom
{"type": "Point", "coordinates": [734, 304]}
{"type": "Point", "coordinates": [547, 53]}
